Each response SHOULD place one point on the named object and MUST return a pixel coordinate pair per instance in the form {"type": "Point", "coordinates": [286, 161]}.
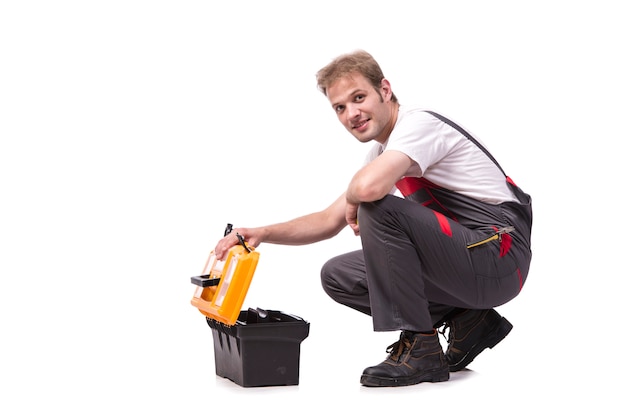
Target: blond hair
{"type": "Point", "coordinates": [358, 61]}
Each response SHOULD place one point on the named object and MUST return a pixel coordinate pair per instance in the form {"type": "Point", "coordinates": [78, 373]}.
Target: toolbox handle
{"type": "Point", "coordinates": [205, 280]}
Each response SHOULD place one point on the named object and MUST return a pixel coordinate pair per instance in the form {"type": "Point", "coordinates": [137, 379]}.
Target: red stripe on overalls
{"type": "Point", "coordinates": [444, 224]}
{"type": "Point", "coordinates": [410, 185]}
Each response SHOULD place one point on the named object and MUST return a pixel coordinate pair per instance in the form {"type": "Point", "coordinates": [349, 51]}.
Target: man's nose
{"type": "Point", "coordinates": [353, 111]}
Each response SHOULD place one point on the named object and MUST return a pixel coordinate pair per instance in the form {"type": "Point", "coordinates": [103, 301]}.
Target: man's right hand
{"type": "Point", "coordinates": [230, 240]}
{"type": "Point", "coordinates": [351, 213]}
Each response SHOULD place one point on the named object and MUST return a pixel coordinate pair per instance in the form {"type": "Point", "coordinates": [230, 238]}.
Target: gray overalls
{"type": "Point", "coordinates": [432, 252]}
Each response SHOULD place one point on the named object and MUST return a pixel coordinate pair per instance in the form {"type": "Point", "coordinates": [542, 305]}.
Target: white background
{"type": "Point", "coordinates": [133, 131]}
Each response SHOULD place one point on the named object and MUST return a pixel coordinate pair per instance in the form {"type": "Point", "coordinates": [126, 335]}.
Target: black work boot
{"type": "Point", "coordinates": [471, 331]}
{"type": "Point", "coordinates": [413, 359]}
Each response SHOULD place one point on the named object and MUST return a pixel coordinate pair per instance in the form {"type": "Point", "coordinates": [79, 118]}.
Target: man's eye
{"type": "Point", "coordinates": [359, 98]}
{"type": "Point", "coordinates": [339, 109]}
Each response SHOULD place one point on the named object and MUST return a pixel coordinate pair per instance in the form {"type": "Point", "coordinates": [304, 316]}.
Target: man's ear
{"type": "Point", "coordinates": [385, 89]}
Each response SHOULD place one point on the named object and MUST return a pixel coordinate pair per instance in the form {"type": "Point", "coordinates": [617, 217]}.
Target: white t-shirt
{"type": "Point", "coordinates": [444, 156]}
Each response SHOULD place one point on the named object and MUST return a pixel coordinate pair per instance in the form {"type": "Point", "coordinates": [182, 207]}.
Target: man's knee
{"type": "Point", "coordinates": [328, 276]}
{"type": "Point", "coordinates": [343, 279]}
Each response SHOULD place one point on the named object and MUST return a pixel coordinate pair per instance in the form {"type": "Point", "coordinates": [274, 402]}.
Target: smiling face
{"type": "Point", "coordinates": [366, 112]}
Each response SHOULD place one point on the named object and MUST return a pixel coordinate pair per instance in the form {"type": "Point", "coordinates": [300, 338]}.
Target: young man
{"type": "Point", "coordinates": [445, 234]}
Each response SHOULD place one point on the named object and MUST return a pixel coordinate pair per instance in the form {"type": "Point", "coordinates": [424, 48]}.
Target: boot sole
{"type": "Point", "coordinates": [501, 330]}
{"type": "Point", "coordinates": [438, 375]}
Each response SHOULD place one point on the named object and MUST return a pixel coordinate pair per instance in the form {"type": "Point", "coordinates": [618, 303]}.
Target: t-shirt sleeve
{"type": "Point", "coordinates": [417, 134]}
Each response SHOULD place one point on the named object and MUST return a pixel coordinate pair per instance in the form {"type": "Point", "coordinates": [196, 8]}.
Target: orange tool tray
{"type": "Point", "coordinates": [223, 285]}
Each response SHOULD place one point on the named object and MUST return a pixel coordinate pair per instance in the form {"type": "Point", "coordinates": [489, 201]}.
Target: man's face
{"type": "Point", "coordinates": [364, 111]}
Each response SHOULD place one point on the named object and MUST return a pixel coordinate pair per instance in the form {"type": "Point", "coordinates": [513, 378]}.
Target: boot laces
{"type": "Point", "coordinates": [396, 349]}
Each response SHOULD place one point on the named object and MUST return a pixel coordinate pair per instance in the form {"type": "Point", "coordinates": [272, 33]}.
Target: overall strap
{"type": "Point", "coordinates": [467, 135]}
